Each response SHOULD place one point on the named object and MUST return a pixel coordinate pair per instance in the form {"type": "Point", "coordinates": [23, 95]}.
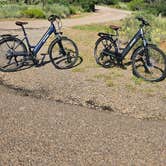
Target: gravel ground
{"type": "Point", "coordinates": [90, 88]}
{"type": "Point", "coordinates": [125, 127]}
{"type": "Point", "coordinates": [44, 132]}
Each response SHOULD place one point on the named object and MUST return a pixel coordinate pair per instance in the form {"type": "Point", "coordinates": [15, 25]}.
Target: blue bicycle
{"type": "Point", "coordinates": [14, 53]}
{"type": "Point", "coordinates": [148, 61]}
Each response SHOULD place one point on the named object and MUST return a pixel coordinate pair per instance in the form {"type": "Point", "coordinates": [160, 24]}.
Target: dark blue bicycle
{"type": "Point", "coordinates": [14, 53]}
{"type": "Point", "coordinates": [148, 61]}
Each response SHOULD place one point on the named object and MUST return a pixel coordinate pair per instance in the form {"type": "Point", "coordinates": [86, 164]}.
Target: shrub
{"type": "Point", "coordinates": [60, 10]}
{"type": "Point", "coordinates": [136, 4]}
{"type": "Point", "coordinates": [12, 10]}
{"type": "Point", "coordinates": [74, 9]}
{"type": "Point", "coordinates": [33, 13]}
{"type": "Point", "coordinates": [88, 6]}
{"type": "Point", "coordinates": [122, 5]}
{"type": "Point", "coordinates": [157, 8]}
{"type": "Point", "coordinates": [111, 2]}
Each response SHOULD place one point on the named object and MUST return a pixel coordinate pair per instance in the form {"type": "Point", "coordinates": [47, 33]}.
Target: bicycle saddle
{"type": "Point", "coordinates": [20, 23]}
{"type": "Point", "coordinates": [114, 27]}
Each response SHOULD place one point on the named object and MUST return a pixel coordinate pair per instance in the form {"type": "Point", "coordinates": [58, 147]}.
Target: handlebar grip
{"type": "Point", "coordinates": [144, 22]}
{"type": "Point", "coordinates": [53, 18]}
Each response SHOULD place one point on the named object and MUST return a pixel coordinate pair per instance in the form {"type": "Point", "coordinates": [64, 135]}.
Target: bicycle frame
{"type": "Point", "coordinates": [35, 49]}
{"type": "Point", "coordinates": [133, 41]}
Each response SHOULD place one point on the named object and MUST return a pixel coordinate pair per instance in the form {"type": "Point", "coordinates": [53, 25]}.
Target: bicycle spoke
{"type": "Point", "coordinates": [150, 65]}
{"type": "Point", "coordinates": [64, 55]}
{"type": "Point", "coordinates": [8, 61]}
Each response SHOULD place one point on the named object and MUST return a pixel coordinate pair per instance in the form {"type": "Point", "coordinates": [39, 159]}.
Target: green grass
{"type": "Point", "coordinates": [108, 79]}
{"type": "Point", "coordinates": [131, 87]}
{"type": "Point", "coordinates": [79, 69]}
{"type": "Point", "coordinates": [137, 81]}
{"type": "Point", "coordinates": [92, 27]}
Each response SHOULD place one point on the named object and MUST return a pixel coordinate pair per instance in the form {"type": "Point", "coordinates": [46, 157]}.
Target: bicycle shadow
{"type": "Point", "coordinates": [111, 64]}
{"type": "Point", "coordinates": [45, 61]}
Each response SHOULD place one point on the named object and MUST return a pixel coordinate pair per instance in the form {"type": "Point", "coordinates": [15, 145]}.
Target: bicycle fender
{"type": "Point", "coordinates": [102, 34]}
{"type": "Point", "coordinates": [104, 37]}
{"type": "Point", "coordinates": [7, 36]}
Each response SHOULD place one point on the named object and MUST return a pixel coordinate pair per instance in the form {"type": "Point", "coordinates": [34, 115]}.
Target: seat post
{"type": "Point", "coordinates": [26, 38]}
{"type": "Point", "coordinates": [23, 29]}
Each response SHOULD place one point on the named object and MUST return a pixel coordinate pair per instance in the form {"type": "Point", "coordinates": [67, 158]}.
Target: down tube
{"type": "Point", "coordinates": [132, 43]}
{"type": "Point", "coordinates": [43, 39]}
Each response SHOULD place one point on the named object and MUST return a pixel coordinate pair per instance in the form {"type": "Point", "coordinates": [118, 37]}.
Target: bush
{"type": "Point", "coordinates": [111, 2]}
{"type": "Point", "coordinates": [12, 10]}
{"type": "Point", "coordinates": [88, 6]}
{"type": "Point", "coordinates": [60, 10]}
{"type": "Point", "coordinates": [157, 8]}
{"type": "Point", "coordinates": [75, 9]}
{"type": "Point", "coordinates": [136, 4]}
{"type": "Point", "coordinates": [122, 5]}
{"type": "Point", "coordinates": [33, 13]}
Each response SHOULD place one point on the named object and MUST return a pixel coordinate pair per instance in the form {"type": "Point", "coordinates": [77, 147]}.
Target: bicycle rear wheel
{"type": "Point", "coordinates": [63, 53]}
{"type": "Point", "coordinates": [104, 52]}
{"type": "Point", "coordinates": [149, 64]}
{"type": "Point", "coordinates": [9, 47]}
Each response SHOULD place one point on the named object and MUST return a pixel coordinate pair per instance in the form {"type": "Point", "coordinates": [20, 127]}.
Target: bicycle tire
{"type": "Point", "coordinates": [57, 58]}
{"type": "Point", "coordinates": [102, 55]}
{"type": "Point", "coordinates": [156, 70]}
{"type": "Point", "coordinates": [9, 62]}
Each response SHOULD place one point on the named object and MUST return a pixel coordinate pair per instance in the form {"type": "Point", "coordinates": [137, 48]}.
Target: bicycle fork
{"type": "Point", "coordinates": [146, 62]}
{"type": "Point", "coordinates": [63, 51]}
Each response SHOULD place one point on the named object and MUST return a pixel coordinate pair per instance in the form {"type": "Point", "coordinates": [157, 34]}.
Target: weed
{"type": "Point", "coordinates": [130, 87]}
{"type": "Point", "coordinates": [78, 70]}
{"type": "Point", "coordinates": [107, 79]}
{"type": "Point", "coordinates": [93, 27]}
{"type": "Point", "coordinates": [109, 83]}
{"type": "Point", "coordinates": [137, 81]}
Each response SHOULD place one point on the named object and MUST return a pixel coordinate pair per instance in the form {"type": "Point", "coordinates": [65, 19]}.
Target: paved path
{"type": "Point", "coordinates": [103, 14]}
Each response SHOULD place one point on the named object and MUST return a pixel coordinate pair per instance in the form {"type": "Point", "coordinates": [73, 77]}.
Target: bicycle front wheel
{"type": "Point", "coordinates": [9, 47]}
{"type": "Point", "coordinates": [149, 64]}
{"type": "Point", "coordinates": [63, 53]}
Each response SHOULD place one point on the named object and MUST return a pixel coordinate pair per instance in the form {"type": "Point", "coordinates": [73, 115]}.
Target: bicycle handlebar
{"type": "Point", "coordinates": [53, 18]}
{"type": "Point", "coordinates": [144, 22]}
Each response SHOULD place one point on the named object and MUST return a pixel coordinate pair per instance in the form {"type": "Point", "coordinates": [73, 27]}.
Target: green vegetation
{"type": "Point", "coordinates": [64, 8]}
{"type": "Point", "coordinates": [155, 34]}
{"type": "Point", "coordinates": [92, 27]}
{"type": "Point", "coordinates": [108, 79]}
{"type": "Point", "coordinates": [33, 13]}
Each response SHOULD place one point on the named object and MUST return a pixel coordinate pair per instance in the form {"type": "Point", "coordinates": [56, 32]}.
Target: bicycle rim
{"type": "Point", "coordinates": [8, 62]}
{"type": "Point", "coordinates": [104, 52]}
{"type": "Point", "coordinates": [150, 66]}
{"type": "Point", "coordinates": [61, 60]}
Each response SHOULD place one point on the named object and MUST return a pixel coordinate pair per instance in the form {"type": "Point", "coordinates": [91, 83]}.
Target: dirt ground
{"type": "Point", "coordinates": [112, 117]}
{"type": "Point", "coordinates": [90, 85]}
